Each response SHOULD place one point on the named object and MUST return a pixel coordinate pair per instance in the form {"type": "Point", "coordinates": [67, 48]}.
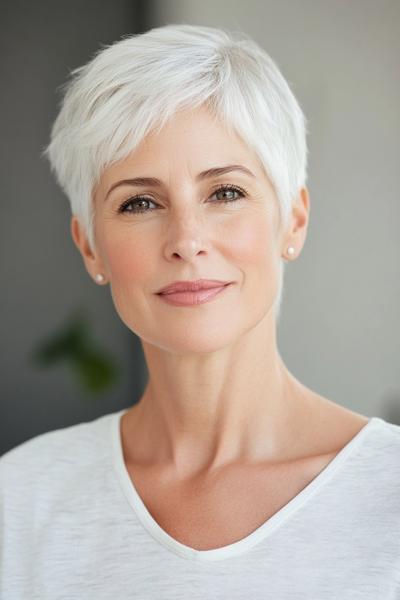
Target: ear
{"type": "Point", "coordinates": [92, 262]}
{"type": "Point", "coordinates": [296, 232]}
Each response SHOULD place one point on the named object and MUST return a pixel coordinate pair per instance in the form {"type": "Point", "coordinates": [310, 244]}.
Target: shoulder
{"type": "Point", "coordinates": [54, 456]}
{"type": "Point", "coordinates": [384, 437]}
{"type": "Point", "coordinates": [378, 463]}
{"type": "Point", "coordinates": [384, 440]}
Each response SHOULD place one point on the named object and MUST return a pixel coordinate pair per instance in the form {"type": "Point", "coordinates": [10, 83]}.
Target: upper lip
{"type": "Point", "coordinates": [192, 286]}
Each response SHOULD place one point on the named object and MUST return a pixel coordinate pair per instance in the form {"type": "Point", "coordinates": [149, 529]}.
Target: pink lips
{"type": "Point", "coordinates": [191, 293]}
{"type": "Point", "coordinates": [192, 286]}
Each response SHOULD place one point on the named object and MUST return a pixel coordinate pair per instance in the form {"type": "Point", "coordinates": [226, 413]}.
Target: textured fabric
{"type": "Point", "coordinates": [73, 526]}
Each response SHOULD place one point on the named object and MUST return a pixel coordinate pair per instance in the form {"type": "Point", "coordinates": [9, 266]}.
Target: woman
{"type": "Point", "coordinates": [183, 153]}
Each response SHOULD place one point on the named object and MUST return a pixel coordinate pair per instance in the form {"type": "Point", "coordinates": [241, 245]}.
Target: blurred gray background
{"type": "Point", "coordinates": [339, 330]}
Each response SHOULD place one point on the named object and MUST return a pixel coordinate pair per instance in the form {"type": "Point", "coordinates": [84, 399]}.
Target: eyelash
{"type": "Point", "coordinates": [221, 188]}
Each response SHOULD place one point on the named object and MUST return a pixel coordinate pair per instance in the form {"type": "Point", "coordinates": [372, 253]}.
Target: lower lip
{"type": "Point", "coordinates": [192, 298]}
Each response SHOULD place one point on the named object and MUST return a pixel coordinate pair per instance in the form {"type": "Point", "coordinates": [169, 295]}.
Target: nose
{"type": "Point", "coordinates": [186, 237]}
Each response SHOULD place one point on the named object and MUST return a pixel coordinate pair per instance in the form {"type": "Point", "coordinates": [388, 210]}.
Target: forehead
{"type": "Point", "coordinates": [192, 141]}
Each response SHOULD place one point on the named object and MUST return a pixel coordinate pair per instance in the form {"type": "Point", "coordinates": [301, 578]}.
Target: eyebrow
{"type": "Point", "coordinates": [153, 181]}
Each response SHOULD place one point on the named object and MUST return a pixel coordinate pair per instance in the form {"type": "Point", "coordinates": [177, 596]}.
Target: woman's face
{"type": "Point", "coordinates": [181, 229]}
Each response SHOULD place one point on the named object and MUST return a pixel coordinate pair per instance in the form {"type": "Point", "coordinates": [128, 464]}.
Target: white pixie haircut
{"type": "Point", "coordinates": [134, 85]}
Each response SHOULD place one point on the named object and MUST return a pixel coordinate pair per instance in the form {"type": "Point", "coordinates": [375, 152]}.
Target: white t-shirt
{"type": "Point", "coordinates": [73, 526]}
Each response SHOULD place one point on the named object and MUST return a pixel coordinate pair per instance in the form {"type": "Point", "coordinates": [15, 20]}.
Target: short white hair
{"type": "Point", "coordinates": [134, 85]}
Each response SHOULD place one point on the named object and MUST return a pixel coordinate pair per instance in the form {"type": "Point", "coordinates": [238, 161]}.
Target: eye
{"type": "Point", "coordinates": [231, 189]}
{"type": "Point", "coordinates": [136, 203]}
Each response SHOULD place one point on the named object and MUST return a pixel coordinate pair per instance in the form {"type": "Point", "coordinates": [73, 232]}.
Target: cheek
{"type": "Point", "coordinates": [251, 240]}
{"type": "Point", "coordinates": [131, 266]}
{"type": "Point", "coordinates": [128, 259]}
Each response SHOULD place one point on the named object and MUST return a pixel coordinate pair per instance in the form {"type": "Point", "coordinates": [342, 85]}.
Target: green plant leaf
{"type": "Point", "coordinates": [72, 343]}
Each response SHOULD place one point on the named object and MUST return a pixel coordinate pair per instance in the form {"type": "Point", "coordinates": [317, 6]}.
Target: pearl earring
{"type": "Point", "coordinates": [99, 278]}
{"type": "Point", "coordinates": [290, 250]}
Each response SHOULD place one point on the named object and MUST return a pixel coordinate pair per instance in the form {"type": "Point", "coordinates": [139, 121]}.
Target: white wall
{"type": "Point", "coordinates": [339, 330]}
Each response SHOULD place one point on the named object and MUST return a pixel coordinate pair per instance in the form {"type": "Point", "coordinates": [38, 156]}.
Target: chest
{"type": "Point", "coordinates": [218, 511]}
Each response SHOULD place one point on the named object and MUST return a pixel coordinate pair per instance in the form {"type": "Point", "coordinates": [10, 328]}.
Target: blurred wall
{"type": "Point", "coordinates": [339, 331]}
{"type": "Point", "coordinates": [43, 279]}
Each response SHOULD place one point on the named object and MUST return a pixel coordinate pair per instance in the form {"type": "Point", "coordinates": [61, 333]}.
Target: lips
{"type": "Point", "coordinates": [192, 286]}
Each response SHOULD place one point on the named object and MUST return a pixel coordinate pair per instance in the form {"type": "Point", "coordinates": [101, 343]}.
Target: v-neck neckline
{"type": "Point", "coordinates": [243, 545]}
